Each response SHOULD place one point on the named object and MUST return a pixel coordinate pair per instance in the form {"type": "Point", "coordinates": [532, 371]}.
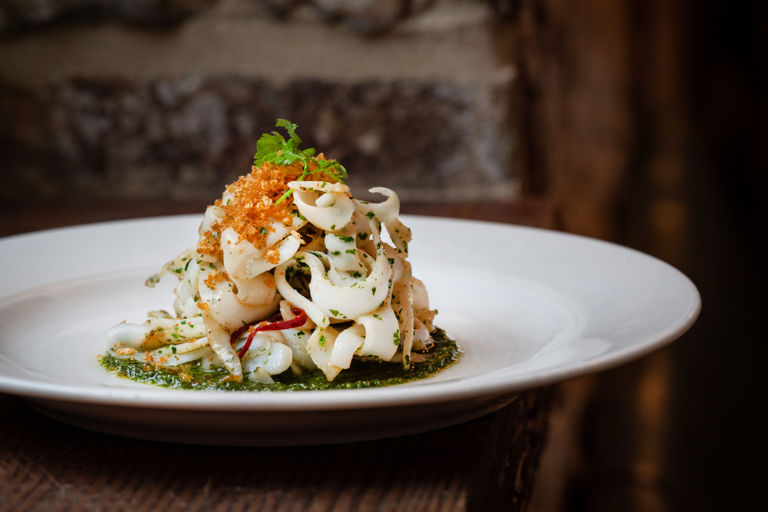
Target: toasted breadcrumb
{"type": "Point", "coordinates": [252, 206]}
{"type": "Point", "coordinates": [209, 243]}
{"type": "Point", "coordinates": [215, 277]}
{"type": "Point", "coordinates": [273, 255]}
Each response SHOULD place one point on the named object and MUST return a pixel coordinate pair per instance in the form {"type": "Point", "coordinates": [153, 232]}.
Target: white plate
{"type": "Point", "coordinates": [527, 306]}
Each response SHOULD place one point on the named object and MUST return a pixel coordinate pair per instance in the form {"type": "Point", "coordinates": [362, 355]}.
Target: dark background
{"type": "Point", "coordinates": [713, 128]}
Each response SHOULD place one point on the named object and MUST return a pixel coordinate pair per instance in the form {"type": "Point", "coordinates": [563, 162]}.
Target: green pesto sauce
{"type": "Point", "coordinates": [361, 374]}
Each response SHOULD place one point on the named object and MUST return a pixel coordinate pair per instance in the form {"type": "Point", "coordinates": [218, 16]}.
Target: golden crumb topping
{"type": "Point", "coordinates": [273, 255]}
{"type": "Point", "coordinates": [252, 204]}
{"type": "Point", "coordinates": [215, 277]}
{"type": "Point", "coordinates": [209, 243]}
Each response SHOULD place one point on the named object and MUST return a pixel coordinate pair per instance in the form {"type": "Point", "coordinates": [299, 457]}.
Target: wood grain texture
{"type": "Point", "coordinates": [576, 120]}
{"type": "Point", "coordinates": [486, 464]}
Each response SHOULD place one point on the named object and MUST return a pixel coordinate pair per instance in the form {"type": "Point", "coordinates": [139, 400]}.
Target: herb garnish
{"type": "Point", "coordinates": [273, 148]}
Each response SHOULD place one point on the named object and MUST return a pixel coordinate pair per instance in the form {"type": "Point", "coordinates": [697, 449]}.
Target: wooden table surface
{"type": "Point", "coordinates": [486, 464]}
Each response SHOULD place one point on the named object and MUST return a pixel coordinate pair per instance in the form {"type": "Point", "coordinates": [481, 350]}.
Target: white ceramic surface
{"type": "Point", "coordinates": [527, 306]}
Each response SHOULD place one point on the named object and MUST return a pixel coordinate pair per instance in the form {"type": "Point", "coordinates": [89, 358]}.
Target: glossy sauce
{"type": "Point", "coordinates": [362, 373]}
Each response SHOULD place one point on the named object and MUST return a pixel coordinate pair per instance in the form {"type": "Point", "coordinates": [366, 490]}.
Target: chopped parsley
{"type": "Point", "coordinates": [274, 148]}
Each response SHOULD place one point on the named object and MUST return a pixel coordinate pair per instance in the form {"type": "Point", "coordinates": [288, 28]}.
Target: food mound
{"type": "Point", "coordinates": [290, 274]}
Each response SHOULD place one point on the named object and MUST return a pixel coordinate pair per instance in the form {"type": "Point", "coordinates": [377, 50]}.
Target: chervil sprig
{"type": "Point", "coordinates": [274, 148]}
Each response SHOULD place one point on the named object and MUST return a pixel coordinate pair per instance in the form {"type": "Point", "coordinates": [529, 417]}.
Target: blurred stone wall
{"type": "Point", "coordinates": [152, 98]}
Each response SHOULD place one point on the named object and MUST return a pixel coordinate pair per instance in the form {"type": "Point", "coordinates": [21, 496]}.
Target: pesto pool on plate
{"type": "Point", "coordinates": [290, 287]}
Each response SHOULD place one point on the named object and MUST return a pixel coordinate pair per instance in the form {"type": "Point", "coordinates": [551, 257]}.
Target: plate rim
{"type": "Point", "coordinates": [412, 394]}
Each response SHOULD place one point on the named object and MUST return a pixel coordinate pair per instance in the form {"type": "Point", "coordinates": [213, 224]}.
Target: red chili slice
{"type": "Point", "coordinates": [298, 321]}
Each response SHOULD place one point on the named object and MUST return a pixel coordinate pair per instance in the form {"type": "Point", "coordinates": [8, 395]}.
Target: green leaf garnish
{"type": "Point", "coordinates": [275, 149]}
